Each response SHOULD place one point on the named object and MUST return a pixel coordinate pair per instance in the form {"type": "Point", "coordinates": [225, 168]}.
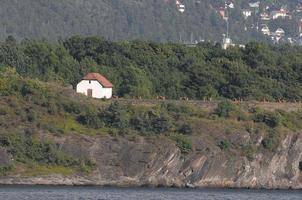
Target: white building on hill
{"type": "Point", "coordinates": [265, 30]}
{"type": "Point", "coordinates": [280, 32]}
{"type": "Point", "coordinates": [278, 13]}
{"type": "Point", "coordinates": [180, 6]}
{"type": "Point", "coordinates": [95, 85]}
{"type": "Point", "coordinates": [246, 13]}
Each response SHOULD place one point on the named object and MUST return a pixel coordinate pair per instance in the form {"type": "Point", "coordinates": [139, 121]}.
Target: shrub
{"type": "Point", "coordinates": [268, 143]}
{"type": "Point", "coordinates": [26, 149]}
{"type": "Point", "coordinates": [171, 107]}
{"type": "Point", "coordinates": [271, 141]}
{"type": "Point", "coordinates": [271, 119]}
{"type": "Point", "coordinates": [224, 109]}
{"type": "Point", "coordinates": [249, 151]}
{"type": "Point", "coordinates": [116, 116]}
{"type": "Point", "coordinates": [87, 166]}
{"type": "Point", "coordinates": [91, 119]}
{"type": "Point", "coordinates": [73, 107]}
{"type": "Point", "coordinates": [161, 124]}
{"type": "Point", "coordinates": [31, 114]}
{"type": "Point", "coordinates": [185, 129]}
{"type": "Point", "coordinates": [148, 122]}
{"type": "Point", "coordinates": [4, 170]}
{"type": "Point", "coordinates": [291, 120]}
{"type": "Point", "coordinates": [224, 144]}
{"type": "Point", "coordinates": [183, 144]}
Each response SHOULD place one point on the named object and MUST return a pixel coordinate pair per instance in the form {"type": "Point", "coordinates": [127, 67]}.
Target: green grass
{"type": "Point", "coordinates": [45, 170]}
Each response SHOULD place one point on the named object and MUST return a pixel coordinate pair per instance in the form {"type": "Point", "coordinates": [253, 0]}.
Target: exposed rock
{"type": "Point", "coordinates": [5, 158]}
{"type": "Point", "coordinates": [158, 162]}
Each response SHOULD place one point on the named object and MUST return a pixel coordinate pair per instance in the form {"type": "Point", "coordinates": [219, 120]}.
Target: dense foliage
{"type": "Point", "coordinates": [156, 20]}
{"type": "Point", "coordinates": [150, 69]}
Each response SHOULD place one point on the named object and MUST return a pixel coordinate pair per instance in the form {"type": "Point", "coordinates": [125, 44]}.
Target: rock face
{"type": "Point", "coordinates": [5, 158]}
{"type": "Point", "coordinates": [158, 162]}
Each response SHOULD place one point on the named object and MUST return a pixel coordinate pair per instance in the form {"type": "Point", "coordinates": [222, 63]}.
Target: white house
{"type": "Point", "coordinates": [278, 13]}
{"type": "Point", "coordinates": [265, 30]}
{"type": "Point", "coordinates": [265, 16]}
{"type": "Point", "coordinates": [246, 13]}
{"type": "Point", "coordinates": [95, 85]}
{"type": "Point", "coordinates": [227, 42]}
{"type": "Point", "coordinates": [280, 32]}
{"type": "Point", "coordinates": [180, 6]}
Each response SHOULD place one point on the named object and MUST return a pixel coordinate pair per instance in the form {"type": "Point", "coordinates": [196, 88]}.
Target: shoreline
{"type": "Point", "coordinates": [147, 187]}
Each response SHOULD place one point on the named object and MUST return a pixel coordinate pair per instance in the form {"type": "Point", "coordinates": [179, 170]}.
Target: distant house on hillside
{"type": "Point", "coordinates": [246, 13]}
{"type": "Point", "coordinates": [265, 16]}
{"type": "Point", "coordinates": [95, 85]}
{"type": "Point", "coordinates": [279, 13]}
{"type": "Point", "coordinates": [265, 30]}
{"type": "Point", "coordinates": [280, 32]}
{"type": "Point", "coordinates": [181, 7]}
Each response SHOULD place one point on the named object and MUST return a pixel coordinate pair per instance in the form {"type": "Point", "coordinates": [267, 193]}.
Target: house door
{"type": "Point", "coordinates": [89, 92]}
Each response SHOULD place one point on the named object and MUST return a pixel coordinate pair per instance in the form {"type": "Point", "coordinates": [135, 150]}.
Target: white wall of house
{"type": "Point", "coordinates": [98, 91]}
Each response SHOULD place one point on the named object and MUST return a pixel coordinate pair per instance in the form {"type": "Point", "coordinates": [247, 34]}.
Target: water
{"type": "Point", "coordinates": [96, 193]}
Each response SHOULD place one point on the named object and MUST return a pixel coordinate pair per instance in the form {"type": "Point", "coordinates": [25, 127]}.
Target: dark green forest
{"type": "Point", "coordinates": [155, 20]}
{"type": "Point", "coordinates": [148, 69]}
{"type": "Point", "coordinates": [112, 19]}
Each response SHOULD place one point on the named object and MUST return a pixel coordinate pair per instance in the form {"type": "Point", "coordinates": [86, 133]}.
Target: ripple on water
{"type": "Point", "coordinates": [97, 193]}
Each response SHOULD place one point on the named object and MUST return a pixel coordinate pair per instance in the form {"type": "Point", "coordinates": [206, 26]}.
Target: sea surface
{"type": "Point", "coordinates": [97, 193]}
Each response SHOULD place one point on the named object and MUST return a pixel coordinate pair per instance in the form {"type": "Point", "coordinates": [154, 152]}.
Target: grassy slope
{"type": "Point", "coordinates": [31, 111]}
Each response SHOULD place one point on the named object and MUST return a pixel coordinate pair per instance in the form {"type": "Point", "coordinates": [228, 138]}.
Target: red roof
{"type": "Point", "coordinates": [100, 78]}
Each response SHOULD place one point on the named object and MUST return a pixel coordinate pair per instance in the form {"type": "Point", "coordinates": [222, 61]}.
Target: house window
{"type": "Point", "coordinates": [89, 81]}
{"type": "Point", "coordinates": [300, 166]}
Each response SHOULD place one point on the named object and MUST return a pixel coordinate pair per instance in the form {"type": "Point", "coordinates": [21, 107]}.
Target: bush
{"type": "Point", "coordinates": [268, 143]}
{"type": "Point", "coordinates": [25, 149]}
{"type": "Point", "coordinates": [291, 120]}
{"type": "Point", "coordinates": [249, 151]}
{"type": "Point", "coordinates": [183, 144]}
{"type": "Point", "coordinates": [271, 119]}
{"type": "Point", "coordinates": [271, 141]}
{"type": "Point", "coordinates": [224, 144]}
{"type": "Point", "coordinates": [161, 124]}
{"type": "Point", "coordinates": [224, 109]}
{"type": "Point", "coordinates": [87, 166]}
{"type": "Point", "coordinates": [91, 119]}
{"type": "Point", "coordinates": [148, 122]}
{"type": "Point", "coordinates": [31, 114]}
{"type": "Point", "coordinates": [72, 107]}
{"type": "Point", "coordinates": [4, 170]}
{"type": "Point", "coordinates": [116, 116]}
{"type": "Point", "coordinates": [171, 107]}
{"type": "Point", "coordinates": [185, 129]}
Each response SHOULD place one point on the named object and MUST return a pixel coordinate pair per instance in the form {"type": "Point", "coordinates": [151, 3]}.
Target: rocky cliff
{"type": "Point", "coordinates": [158, 162]}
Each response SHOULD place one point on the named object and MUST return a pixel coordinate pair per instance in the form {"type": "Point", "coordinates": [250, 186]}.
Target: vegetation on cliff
{"type": "Point", "coordinates": [35, 114]}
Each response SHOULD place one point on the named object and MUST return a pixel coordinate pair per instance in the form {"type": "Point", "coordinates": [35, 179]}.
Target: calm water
{"type": "Point", "coordinates": [95, 193]}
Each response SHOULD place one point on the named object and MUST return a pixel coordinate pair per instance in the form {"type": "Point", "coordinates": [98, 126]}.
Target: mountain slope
{"type": "Point", "coordinates": [157, 20]}
{"type": "Point", "coordinates": [50, 135]}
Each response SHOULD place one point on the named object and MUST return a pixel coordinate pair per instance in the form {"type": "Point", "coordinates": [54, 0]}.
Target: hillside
{"type": "Point", "coordinates": [156, 20]}
{"type": "Point", "coordinates": [138, 19]}
{"type": "Point", "coordinates": [147, 69]}
{"type": "Point", "coordinates": [50, 135]}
